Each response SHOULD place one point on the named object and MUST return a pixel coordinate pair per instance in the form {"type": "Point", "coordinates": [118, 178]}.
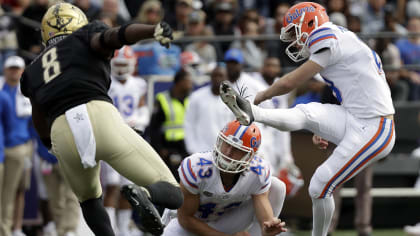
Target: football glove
{"type": "Point", "coordinates": [163, 34]}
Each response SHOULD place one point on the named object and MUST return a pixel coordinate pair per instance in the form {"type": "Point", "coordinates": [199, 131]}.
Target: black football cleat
{"type": "Point", "coordinates": [240, 107]}
{"type": "Point", "coordinates": [150, 220]}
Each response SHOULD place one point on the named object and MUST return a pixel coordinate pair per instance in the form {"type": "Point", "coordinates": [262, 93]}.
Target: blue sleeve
{"type": "Point", "coordinates": [7, 115]}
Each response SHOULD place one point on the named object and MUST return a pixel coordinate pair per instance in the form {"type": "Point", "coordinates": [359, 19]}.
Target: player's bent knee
{"type": "Point", "coordinates": [319, 181]}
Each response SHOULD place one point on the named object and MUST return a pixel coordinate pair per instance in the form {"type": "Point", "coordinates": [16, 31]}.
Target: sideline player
{"type": "Point", "coordinates": [128, 94]}
{"type": "Point", "coordinates": [229, 191]}
{"type": "Point", "coordinates": [362, 127]}
{"type": "Point", "coordinates": [73, 114]}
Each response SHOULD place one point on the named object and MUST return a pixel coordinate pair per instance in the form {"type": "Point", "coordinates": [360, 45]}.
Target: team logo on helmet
{"type": "Point", "coordinates": [291, 16]}
{"type": "Point", "coordinates": [61, 23]}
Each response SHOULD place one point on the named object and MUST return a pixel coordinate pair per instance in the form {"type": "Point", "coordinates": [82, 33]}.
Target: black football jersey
{"type": "Point", "coordinates": [68, 73]}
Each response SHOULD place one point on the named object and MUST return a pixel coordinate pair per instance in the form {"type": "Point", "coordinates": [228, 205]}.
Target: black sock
{"type": "Point", "coordinates": [96, 217]}
{"type": "Point", "coordinates": [166, 195]}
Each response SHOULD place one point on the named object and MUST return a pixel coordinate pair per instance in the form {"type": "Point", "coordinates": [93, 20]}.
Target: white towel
{"type": "Point", "coordinates": [79, 122]}
{"type": "Point", "coordinates": [23, 104]}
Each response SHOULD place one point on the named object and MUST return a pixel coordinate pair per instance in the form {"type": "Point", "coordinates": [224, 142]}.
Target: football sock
{"type": "Point", "coordinates": [124, 218]}
{"type": "Point", "coordinates": [96, 217]}
{"type": "Point", "coordinates": [165, 194]}
{"type": "Point", "coordinates": [112, 216]}
{"type": "Point", "coordinates": [282, 119]}
{"type": "Point", "coordinates": [322, 210]}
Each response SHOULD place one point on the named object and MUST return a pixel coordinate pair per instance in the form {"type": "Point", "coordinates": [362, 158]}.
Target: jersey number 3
{"type": "Point", "coordinates": [51, 65]}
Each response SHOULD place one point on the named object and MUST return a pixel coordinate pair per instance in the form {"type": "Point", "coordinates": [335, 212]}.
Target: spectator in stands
{"type": "Point", "coordinates": [134, 6]}
{"type": "Point", "coordinates": [211, 114]}
{"type": "Point", "coordinates": [253, 55]}
{"type": "Point", "coordinates": [197, 27]}
{"type": "Point", "coordinates": [8, 39]}
{"type": "Point", "coordinates": [268, 73]}
{"type": "Point", "coordinates": [29, 37]}
{"type": "Point", "coordinates": [373, 16]}
{"type": "Point", "coordinates": [6, 125]}
{"type": "Point", "coordinates": [150, 12]}
{"type": "Point", "coordinates": [224, 23]}
{"type": "Point", "coordinates": [166, 126]}
{"type": "Point", "coordinates": [111, 9]}
{"type": "Point", "coordinates": [337, 6]}
{"type": "Point", "coordinates": [391, 21]}
{"type": "Point", "coordinates": [91, 10]}
{"type": "Point", "coordinates": [18, 148]}
{"type": "Point", "coordinates": [63, 202]}
{"type": "Point", "coordinates": [179, 20]}
{"type": "Point", "coordinates": [410, 55]}
{"type": "Point", "coordinates": [275, 47]}
{"type": "Point", "coordinates": [391, 61]}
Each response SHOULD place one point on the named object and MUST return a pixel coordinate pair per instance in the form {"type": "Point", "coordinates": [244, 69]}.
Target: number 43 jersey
{"type": "Point", "coordinates": [199, 176]}
{"type": "Point", "coordinates": [68, 73]}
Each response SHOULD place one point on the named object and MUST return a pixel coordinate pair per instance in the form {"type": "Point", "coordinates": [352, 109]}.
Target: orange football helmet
{"type": "Point", "coordinates": [236, 146]}
{"type": "Point", "coordinates": [123, 63]}
{"type": "Point", "coordinates": [299, 21]}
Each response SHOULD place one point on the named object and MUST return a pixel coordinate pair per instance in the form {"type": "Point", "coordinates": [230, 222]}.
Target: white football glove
{"type": "Point", "coordinates": [163, 34]}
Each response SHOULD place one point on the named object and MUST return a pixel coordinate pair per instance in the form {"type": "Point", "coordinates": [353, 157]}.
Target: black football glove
{"type": "Point", "coordinates": [163, 34]}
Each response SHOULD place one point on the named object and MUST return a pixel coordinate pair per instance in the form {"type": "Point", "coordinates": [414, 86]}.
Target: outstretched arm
{"type": "Point", "coordinates": [114, 38]}
{"type": "Point", "coordinates": [270, 225]}
{"type": "Point", "coordinates": [289, 81]}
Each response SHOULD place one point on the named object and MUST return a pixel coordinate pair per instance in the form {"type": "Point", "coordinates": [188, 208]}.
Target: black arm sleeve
{"type": "Point", "coordinates": [114, 38]}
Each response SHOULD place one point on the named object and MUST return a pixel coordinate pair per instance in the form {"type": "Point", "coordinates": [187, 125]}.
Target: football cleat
{"type": "Point", "coordinates": [148, 214]}
{"type": "Point", "coordinates": [412, 230]}
{"type": "Point", "coordinates": [240, 107]}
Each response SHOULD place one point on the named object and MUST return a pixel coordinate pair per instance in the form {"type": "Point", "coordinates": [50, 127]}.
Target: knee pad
{"type": "Point", "coordinates": [319, 181]}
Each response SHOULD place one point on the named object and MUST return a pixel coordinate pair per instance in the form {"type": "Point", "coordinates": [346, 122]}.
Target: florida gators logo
{"type": "Point", "coordinates": [254, 143]}
{"type": "Point", "coordinates": [290, 17]}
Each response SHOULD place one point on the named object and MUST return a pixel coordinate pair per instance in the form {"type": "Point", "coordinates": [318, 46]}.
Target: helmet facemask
{"type": "Point", "coordinates": [122, 68]}
{"type": "Point", "coordinates": [298, 49]}
{"type": "Point", "coordinates": [237, 160]}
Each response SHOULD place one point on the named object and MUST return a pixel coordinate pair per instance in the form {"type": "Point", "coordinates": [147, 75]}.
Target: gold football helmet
{"type": "Point", "coordinates": [61, 19]}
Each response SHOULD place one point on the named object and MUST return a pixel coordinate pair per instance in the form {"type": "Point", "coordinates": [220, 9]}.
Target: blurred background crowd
{"type": "Point", "coordinates": [215, 40]}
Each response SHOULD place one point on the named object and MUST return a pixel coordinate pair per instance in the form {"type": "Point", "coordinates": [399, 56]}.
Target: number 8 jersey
{"type": "Point", "coordinates": [86, 77]}
{"type": "Point", "coordinates": [199, 176]}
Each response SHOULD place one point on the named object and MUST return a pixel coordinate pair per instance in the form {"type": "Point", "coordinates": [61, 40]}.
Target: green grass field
{"type": "Point", "coordinates": [390, 232]}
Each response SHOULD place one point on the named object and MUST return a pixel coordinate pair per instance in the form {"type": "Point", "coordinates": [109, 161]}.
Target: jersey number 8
{"type": "Point", "coordinates": [51, 65]}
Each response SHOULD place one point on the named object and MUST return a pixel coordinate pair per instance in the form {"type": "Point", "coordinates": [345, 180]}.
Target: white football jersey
{"type": "Point", "coordinates": [354, 72]}
{"type": "Point", "coordinates": [200, 176]}
{"type": "Point", "coordinates": [126, 97]}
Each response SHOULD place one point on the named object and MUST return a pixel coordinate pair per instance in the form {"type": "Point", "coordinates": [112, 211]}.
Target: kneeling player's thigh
{"type": "Point", "coordinates": [235, 220]}
{"type": "Point", "coordinates": [174, 228]}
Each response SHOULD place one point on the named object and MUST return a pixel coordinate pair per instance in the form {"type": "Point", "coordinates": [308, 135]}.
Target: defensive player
{"type": "Point", "coordinates": [362, 126]}
{"type": "Point", "coordinates": [73, 114]}
{"type": "Point", "coordinates": [229, 191]}
{"type": "Point", "coordinates": [129, 96]}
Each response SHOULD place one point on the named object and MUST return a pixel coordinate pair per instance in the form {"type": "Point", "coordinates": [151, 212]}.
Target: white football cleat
{"type": "Point", "coordinates": [240, 107]}
{"type": "Point", "coordinates": [412, 230]}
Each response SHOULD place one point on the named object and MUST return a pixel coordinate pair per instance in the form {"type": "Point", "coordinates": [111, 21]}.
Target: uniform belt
{"type": "Point", "coordinates": [389, 117]}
